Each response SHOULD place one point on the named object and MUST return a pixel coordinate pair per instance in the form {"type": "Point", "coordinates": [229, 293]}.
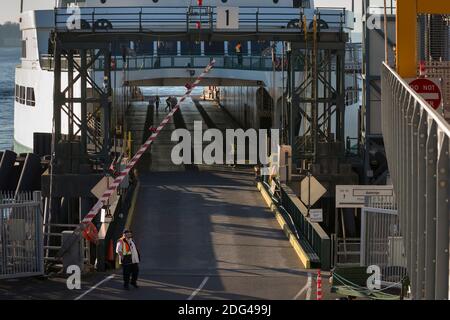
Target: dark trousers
{"type": "Point", "coordinates": [239, 56]}
{"type": "Point", "coordinates": [132, 270]}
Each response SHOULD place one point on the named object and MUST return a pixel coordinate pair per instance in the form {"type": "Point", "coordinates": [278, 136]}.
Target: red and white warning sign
{"type": "Point", "coordinates": [429, 89]}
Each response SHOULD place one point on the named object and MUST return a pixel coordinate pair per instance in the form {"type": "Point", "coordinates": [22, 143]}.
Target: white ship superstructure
{"type": "Point", "coordinates": [34, 76]}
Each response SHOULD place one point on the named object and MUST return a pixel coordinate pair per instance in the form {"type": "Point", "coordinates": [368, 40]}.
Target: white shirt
{"type": "Point", "coordinates": [134, 252]}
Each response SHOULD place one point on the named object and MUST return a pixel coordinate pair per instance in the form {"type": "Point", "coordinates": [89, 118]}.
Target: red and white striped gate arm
{"type": "Point", "coordinates": [107, 194]}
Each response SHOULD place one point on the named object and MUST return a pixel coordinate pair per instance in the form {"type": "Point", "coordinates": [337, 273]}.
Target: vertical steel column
{"type": "Point", "coordinates": [366, 87]}
{"type": "Point", "coordinates": [442, 218]}
{"type": "Point", "coordinates": [430, 250]}
{"type": "Point", "coordinates": [290, 94]}
{"type": "Point", "coordinates": [57, 97]}
{"type": "Point", "coordinates": [70, 70]}
{"type": "Point", "coordinates": [83, 79]}
{"type": "Point", "coordinates": [409, 188]}
{"type": "Point", "coordinates": [402, 186]}
{"type": "Point", "coordinates": [106, 104]}
{"type": "Point", "coordinates": [340, 102]}
{"type": "Point", "coordinates": [314, 92]}
{"type": "Point", "coordinates": [328, 95]}
{"type": "Point", "coordinates": [421, 200]}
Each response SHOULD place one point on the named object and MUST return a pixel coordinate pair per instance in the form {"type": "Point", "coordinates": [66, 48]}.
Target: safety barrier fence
{"type": "Point", "coordinates": [149, 62]}
{"type": "Point", "coordinates": [177, 19]}
{"type": "Point", "coordinates": [312, 232]}
{"type": "Point", "coordinates": [417, 146]}
{"type": "Point", "coordinates": [21, 240]}
{"type": "Point", "coordinates": [154, 62]}
{"type": "Point", "coordinates": [382, 243]}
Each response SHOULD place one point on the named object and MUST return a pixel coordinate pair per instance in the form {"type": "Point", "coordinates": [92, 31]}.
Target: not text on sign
{"type": "Point", "coordinates": [429, 89]}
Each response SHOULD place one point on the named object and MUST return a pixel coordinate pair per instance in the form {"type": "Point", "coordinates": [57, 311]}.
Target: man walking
{"type": "Point", "coordinates": [168, 103]}
{"type": "Point", "coordinates": [128, 258]}
{"type": "Point", "coordinates": [157, 103]}
{"type": "Point", "coordinates": [173, 103]}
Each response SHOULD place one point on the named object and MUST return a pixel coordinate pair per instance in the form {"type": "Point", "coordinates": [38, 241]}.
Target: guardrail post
{"type": "Point", "coordinates": [187, 21]}
{"type": "Point", "coordinates": [37, 197]}
{"type": "Point", "coordinates": [55, 17]}
{"type": "Point", "coordinates": [442, 219]}
{"type": "Point", "coordinates": [430, 258]}
{"type": "Point", "coordinates": [257, 20]}
{"type": "Point", "coordinates": [211, 22]}
{"type": "Point", "coordinates": [101, 255]}
{"type": "Point", "coordinates": [93, 20]}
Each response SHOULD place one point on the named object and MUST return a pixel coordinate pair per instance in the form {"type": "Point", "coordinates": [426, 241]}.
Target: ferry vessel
{"type": "Point", "coordinates": [33, 108]}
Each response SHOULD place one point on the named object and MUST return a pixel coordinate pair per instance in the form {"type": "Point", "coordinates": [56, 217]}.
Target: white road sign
{"type": "Point", "coordinates": [317, 191]}
{"type": "Point", "coordinates": [227, 18]}
{"type": "Point", "coordinates": [353, 196]}
{"type": "Point", "coordinates": [102, 186]}
{"type": "Point", "coordinates": [316, 215]}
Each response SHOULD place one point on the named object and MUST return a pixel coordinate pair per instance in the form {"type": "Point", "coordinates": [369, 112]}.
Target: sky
{"type": "Point", "coordinates": [10, 9]}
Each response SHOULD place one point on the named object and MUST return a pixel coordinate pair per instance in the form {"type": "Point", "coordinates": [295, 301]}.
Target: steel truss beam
{"type": "Point", "coordinates": [317, 100]}
{"type": "Point", "coordinates": [81, 57]}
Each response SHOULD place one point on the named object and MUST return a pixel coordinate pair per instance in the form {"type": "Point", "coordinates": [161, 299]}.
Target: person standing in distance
{"type": "Point", "coordinates": [238, 49]}
{"type": "Point", "coordinates": [129, 258]}
{"type": "Point", "coordinates": [157, 103]}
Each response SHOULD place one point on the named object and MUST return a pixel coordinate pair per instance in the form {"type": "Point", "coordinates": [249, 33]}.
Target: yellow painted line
{"type": "Point", "coordinates": [304, 259]}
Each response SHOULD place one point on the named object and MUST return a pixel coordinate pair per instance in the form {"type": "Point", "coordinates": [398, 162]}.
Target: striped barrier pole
{"type": "Point", "coordinates": [319, 286]}
{"type": "Point", "coordinates": [87, 220]}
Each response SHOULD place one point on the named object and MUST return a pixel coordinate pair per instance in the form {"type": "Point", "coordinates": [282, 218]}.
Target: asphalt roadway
{"type": "Point", "coordinates": [202, 235]}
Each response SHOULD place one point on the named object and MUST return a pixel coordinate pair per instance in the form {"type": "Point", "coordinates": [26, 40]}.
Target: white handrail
{"type": "Point", "coordinates": [417, 143]}
{"type": "Point", "coordinates": [443, 125]}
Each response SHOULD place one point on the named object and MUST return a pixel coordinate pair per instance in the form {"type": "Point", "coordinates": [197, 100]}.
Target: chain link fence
{"type": "Point", "coordinates": [433, 43]}
{"type": "Point", "coordinates": [21, 242]}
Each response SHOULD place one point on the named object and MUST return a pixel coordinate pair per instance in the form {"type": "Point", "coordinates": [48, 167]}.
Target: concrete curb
{"type": "Point", "coordinates": [304, 259]}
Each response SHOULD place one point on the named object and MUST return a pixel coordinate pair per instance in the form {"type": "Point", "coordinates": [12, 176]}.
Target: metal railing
{"type": "Point", "coordinates": [382, 243]}
{"type": "Point", "coordinates": [175, 19]}
{"type": "Point", "coordinates": [152, 62]}
{"type": "Point", "coordinates": [252, 63]}
{"type": "Point", "coordinates": [311, 231]}
{"type": "Point", "coordinates": [51, 247]}
{"type": "Point", "coordinates": [417, 146]}
{"type": "Point", "coordinates": [346, 251]}
{"type": "Point", "coordinates": [21, 241]}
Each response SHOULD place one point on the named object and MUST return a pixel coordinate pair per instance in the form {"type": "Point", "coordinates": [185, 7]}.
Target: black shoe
{"type": "Point", "coordinates": [135, 285]}
{"type": "Point", "coordinates": [126, 287]}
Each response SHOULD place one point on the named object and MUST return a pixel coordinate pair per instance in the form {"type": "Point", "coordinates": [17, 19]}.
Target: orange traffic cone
{"type": "Point", "coordinates": [319, 286]}
{"type": "Point", "coordinates": [110, 254]}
